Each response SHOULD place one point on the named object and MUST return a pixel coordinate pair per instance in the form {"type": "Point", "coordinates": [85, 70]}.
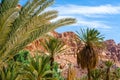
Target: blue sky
{"type": "Point", "coordinates": [103, 15]}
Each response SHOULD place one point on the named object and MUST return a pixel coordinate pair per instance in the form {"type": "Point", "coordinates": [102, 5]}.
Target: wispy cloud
{"type": "Point", "coordinates": [86, 23]}
{"type": "Point", "coordinates": [87, 10]}
{"type": "Point", "coordinates": [93, 24]}
{"type": "Point", "coordinates": [85, 14]}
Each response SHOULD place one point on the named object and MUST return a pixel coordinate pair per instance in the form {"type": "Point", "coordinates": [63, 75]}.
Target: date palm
{"type": "Point", "coordinates": [38, 68]}
{"type": "Point", "coordinates": [53, 46]}
{"type": "Point", "coordinates": [21, 26]}
{"type": "Point", "coordinates": [87, 57]}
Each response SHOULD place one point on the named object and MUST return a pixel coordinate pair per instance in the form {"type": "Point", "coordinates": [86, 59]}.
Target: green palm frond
{"type": "Point", "coordinates": [108, 63]}
{"type": "Point", "coordinates": [6, 5]}
{"type": "Point", "coordinates": [38, 68]}
{"type": "Point", "coordinates": [53, 46]}
{"type": "Point", "coordinates": [117, 73]}
{"type": "Point", "coordinates": [96, 74]}
{"type": "Point", "coordinates": [91, 37]}
{"type": "Point", "coordinates": [6, 20]}
{"type": "Point", "coordinates": [21, 26]}
{"type": "Point", "coordinates": [9, 72]}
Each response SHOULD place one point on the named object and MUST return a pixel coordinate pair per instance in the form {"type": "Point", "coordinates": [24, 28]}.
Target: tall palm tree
{"type": "Point", "coordinates": [21, 26]}
{"type": "Point", "coordinates": [53, 46]}
{"type": "Point", "coordinates": [87, 57]}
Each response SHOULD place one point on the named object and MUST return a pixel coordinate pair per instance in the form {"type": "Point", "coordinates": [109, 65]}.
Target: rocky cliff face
{"type": "Point", "coordinates": [111, 52]}
{"type": "Point", "coordinates": [67, 37]}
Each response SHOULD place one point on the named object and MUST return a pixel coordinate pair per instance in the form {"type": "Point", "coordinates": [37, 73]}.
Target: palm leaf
{"type": "Point", "coordinates": [20, 27]}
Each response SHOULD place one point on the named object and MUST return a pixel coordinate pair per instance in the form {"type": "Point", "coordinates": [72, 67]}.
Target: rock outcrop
{"type": "Point", "coordinates": [111, 51]}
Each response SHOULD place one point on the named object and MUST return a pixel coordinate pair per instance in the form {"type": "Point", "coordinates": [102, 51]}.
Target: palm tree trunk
{"type": "Point", "coordinates": [107, 74]}
{"type": "Point", "coordinates": [51, 62]}
{"type": "Point", "coordinates": [89, 77]}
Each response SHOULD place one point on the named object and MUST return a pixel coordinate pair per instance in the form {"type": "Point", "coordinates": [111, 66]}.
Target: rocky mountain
{"type": "Point", "coordinates": [111, 51]}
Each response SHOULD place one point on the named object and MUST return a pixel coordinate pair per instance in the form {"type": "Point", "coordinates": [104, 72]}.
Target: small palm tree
{"type": "Point", "coordinates": [108, 64]}
{"type": "Point", "coordinates": [96, 74]}
{"type": "Point", "coordinates": [87, 57]}
{"type": "Point", "coordinates": [53, 46]}
{"type": "Point", "coordinates": [21, 26]}
{"type": "Point", "coordinates": [37, 69]}
{"type": "Point", "coordinates": [117, 74]}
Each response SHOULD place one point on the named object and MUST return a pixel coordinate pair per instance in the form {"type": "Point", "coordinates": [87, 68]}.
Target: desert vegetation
{"type": "Point", "coordinates": [20, 26]}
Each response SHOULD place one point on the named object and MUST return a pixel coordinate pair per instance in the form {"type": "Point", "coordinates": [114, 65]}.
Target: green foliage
{"type": "Point", "coordinates": [21, 26]}
{"type": "Point", "coordinates": [10, 72]}
{"type": "Point", "coordinates": [96, 74]}
{"type": "Point", "coordinates": [91, 37]}
{"type": "Point", "coordinates": [108, 64]}
{"type": "Point", "coordinates": [38, 68]}
{"type": "Point", "coordinates": [117, 73]}
{"type": "Point", "coordinates": [57, 73]}
{"type": "Point", "coordinates": [22, 56]}
{"type": "Point", "coordinates": [53, 46]}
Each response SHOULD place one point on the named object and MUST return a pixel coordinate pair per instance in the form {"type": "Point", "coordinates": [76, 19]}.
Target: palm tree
{"type": "Point", "coordinates": [53, 46]}
{"type": "Point", "coordinates": [21, 26]}
{"type": "Point", "coordinates": [38, 68]}
{"type": "Point", "coordinates": [87, 57]}
{"type": "Point", "coordinates": [108, 64]}
{"type": "Point", "coordinates": [117, 74]}
{"type": "Point", "coordinates": [96, 74]}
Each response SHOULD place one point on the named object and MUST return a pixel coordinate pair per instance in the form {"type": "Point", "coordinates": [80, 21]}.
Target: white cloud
{"type": "Point", "coordinates": [87, 10]}
{"type": "Point", "coordinates": [85, 14]}
{"type": "Point", "coordinates": [86, 23]}
{"type": "Point", "coordinates": [93, 24]}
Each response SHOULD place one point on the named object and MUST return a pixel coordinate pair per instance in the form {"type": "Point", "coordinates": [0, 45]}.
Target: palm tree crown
{"type": "Point", "coordinates": [87, 57]}
{"type": "Point", "coordinates": [53, 46]}
{"type": "Point", "coordinates": [21, 26]}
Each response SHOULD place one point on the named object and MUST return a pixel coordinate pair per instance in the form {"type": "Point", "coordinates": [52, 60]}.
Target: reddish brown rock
{"type": "Point", "coordinates": [112, 51]}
